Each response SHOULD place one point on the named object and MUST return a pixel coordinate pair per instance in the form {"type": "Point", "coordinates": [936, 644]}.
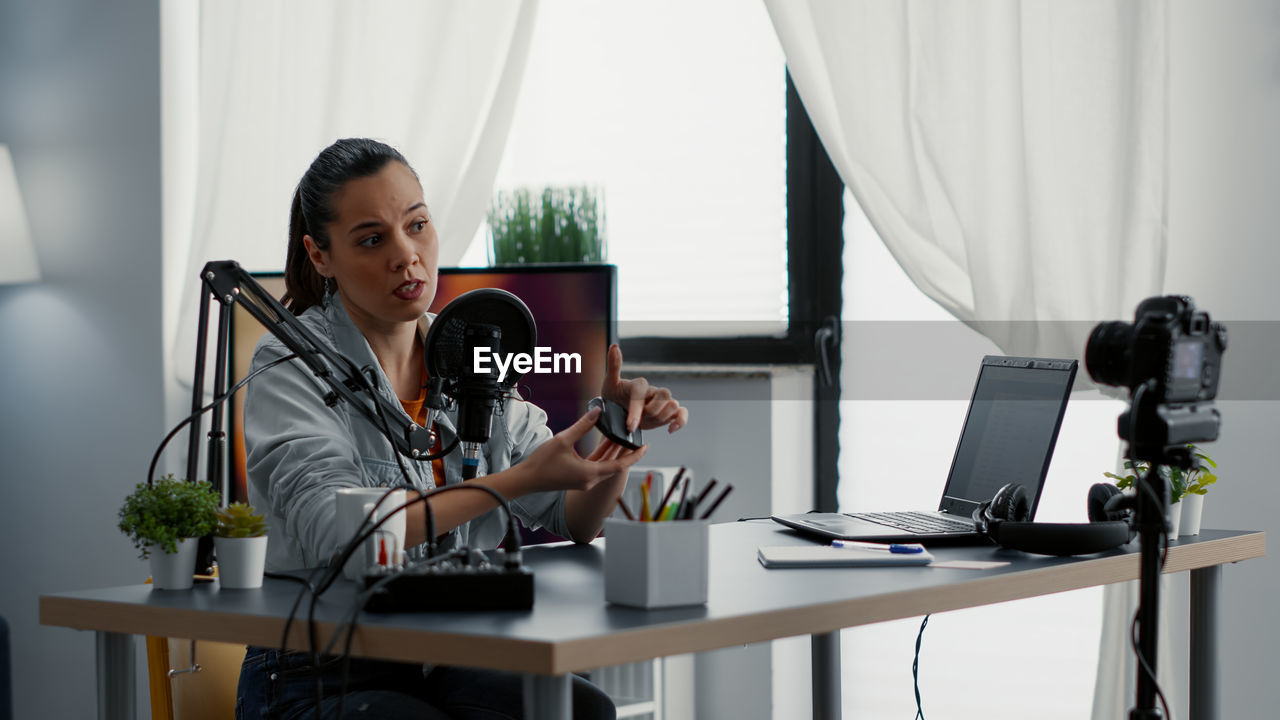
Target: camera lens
{"type": "Point", "coordinates": [1107, 354]}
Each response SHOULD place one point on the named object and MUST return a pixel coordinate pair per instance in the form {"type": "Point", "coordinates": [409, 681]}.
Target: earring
{"type": "Point", "coordinates": [328, 286]}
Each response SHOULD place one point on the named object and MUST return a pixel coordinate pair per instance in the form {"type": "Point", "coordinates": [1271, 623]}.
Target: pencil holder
{"type": "Point", "coordinates": [655, 564]}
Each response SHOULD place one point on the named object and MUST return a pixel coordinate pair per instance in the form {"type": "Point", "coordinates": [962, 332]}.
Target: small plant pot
{"type": "Point", "coordinates": [174, 571]}
{"type": "Point", "coordinates": [1192, 509]}
{"type": "Point", "coordinates": [1175, 520]}
{"type": "Point", "coordinates": [240, 561]}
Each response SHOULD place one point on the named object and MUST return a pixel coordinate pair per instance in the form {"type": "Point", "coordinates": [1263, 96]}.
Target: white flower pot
{"type": "Point", "coordinates": [174, 571]}
{"type": "Point", "coordinates": [1175, 520]}
{"type": "Point", "coordinates": [1192, 508]}
{"type": "Point", "coordinates": [240, 561]}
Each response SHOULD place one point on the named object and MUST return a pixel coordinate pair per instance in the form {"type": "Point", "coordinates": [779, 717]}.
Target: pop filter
{"type": "Point", "coordinates": [449, 353]}
{"type": "Point", "coordinates": [488, 325]}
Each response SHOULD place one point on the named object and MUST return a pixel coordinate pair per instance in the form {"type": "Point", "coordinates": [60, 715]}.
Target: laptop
{"type": "Point", "coordinates": [1008, 436]}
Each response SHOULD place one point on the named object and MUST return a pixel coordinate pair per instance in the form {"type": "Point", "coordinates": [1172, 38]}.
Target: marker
{"type": "Point", "coordinates": [905, 549]}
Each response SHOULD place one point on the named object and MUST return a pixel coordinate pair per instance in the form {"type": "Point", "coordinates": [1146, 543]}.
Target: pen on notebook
{"type": "Point", "coordinates": [898, 548]}
{"type": "Point", "coordinates": [728, 488]}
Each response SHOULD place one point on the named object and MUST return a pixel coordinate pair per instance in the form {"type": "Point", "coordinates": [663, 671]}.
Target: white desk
{"type": "Point", "coordinates": [572, 629]}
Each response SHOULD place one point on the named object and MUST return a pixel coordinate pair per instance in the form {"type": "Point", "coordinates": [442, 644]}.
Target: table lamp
{"type": "Point", "coordinates": [17, 254]}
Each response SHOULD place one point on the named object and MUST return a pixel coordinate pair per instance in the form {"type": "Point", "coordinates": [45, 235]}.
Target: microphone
{"type": "Point", "coordinates": [478, 395]}
{"type": "Point", "coordinates": [464, 347]}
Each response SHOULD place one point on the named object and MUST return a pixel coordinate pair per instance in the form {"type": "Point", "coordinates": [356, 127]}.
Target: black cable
{"type": "Point", "coordinates": [347, 628]}
{"type": "Point", "coordinates": [428, 516]}
{"type": "Point", "coordinates": [335, 569]}
{"type": "Point", "coordinates": [307, 585]}
{"type": "Point", "coordinates": [1133, 641]}
{"type": "Point", "coordinates": [151, 471]}
{"type": "Point", "coordinates": [915, 669]}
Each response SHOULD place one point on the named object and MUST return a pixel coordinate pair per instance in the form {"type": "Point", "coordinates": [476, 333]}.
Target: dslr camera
{"type": "Point", "coordinates": [1174, 355]}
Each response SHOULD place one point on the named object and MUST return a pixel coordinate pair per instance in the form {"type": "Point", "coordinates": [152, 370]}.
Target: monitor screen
{"type": "Point", "coordinates": [573, 306]}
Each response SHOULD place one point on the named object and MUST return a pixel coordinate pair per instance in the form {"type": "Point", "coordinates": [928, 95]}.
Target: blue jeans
{"type": "Point", "coordinates": [282, 686]}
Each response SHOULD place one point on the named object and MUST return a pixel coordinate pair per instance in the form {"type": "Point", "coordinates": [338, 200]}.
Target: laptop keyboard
{"type": "Point", "coordinates": [916, 522]}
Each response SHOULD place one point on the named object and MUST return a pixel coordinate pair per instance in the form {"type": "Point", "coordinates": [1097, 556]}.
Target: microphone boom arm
{"type": "Point", "coordinates": [227, 281]}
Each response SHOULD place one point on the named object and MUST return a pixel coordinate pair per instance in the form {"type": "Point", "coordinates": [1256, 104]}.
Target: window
{"type": "Point", "coordinates": [677, 112]}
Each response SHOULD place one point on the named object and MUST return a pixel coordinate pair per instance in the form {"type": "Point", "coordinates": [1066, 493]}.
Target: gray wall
{"type": "Point", "coordinates": [1225, 155]}
{"type": "Point", "coordinates": [80, 354]}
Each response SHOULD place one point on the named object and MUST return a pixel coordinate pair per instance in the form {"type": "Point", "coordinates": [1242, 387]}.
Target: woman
{"type": "Point", "coordinates": [360, 274]}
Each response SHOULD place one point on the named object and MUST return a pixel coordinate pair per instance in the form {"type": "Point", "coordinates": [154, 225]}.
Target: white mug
{"type": "Point", "coordinates": [353, 505]}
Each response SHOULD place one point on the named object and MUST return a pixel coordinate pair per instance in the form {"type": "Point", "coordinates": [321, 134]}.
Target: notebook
{"type": "Point", "coordinates": [787, 556]}
{"type": "Point", "coordinates": [1008, 436]}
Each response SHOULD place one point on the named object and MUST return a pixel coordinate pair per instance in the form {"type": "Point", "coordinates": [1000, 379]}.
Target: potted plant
{"type": "Point", "coordinates": [1197, 485]}
{"type": "Point", "coordinates": [240, 544]}
{"type": "Point", "coordinates": [1186, 489]}
{"type": "Point", "coordinates": [164, 519]}
{"type": "Point", "coordinates": [553, 224]}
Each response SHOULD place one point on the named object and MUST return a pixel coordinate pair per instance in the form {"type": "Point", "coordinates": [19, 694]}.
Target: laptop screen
{"type": "Point", "coordinates": [1011, 429]}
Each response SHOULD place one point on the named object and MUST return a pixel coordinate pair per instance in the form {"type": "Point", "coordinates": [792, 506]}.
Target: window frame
{"type": "Point", "coordinates": [815, 250]}
{"type": "Point", "coordinates": [815, 242]}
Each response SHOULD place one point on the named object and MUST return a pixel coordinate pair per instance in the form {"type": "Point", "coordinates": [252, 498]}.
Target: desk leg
{"type": "Point", "coordinates": [826, 675]}
{"type": "Point", "coordinates": [548, 697]}
{"type": "Point", "coordinates": [116, 676]}
{"type": "Point", "coordinates": [1204, 642]}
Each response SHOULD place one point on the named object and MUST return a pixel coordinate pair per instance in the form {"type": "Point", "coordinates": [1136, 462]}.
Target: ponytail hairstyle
{"type": "Point", "coordinates": [312, 210]}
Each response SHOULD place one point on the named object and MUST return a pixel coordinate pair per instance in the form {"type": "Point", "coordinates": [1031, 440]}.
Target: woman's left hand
{"type": "Point", "coordinates": [647, 406]}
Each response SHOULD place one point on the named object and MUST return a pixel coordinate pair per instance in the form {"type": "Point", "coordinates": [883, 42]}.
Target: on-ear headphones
{"type": "Point", "coordinates": [1006, 520]}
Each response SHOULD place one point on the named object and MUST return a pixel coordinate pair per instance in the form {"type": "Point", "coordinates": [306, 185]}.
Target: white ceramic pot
{"type": "Point", "coordinates": [1192, 509]}
{"type": "Point", "coordinates": [240, 561]}
{"type": "Point", "coordinates": [1175, 520]}
{"type": "Point", "coordinates": [174, 571]}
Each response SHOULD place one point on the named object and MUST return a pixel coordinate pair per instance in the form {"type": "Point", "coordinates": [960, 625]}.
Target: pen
{"type": "Point", "coordinates": [728, 488]}
{"type": "Point", "coordinates": [622, 505]}
{"type": "Point", "coordinates": [644, 498]}
{"type": "Point", "coordinates": [683, 503]}
{"type": "Point", "coordinates": [905, 549]}
{"type": "Point", "coordinates": [687, 507]}
{"type": "Point", "coordinates": [705, 491]}
{"type": "Point", "coordinates": [667, 496]}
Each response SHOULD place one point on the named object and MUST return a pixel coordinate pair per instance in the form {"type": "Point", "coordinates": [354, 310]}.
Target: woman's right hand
{"type": "Point", "coordinates": [556, 464]}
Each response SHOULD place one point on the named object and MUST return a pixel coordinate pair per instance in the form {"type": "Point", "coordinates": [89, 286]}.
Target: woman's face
{"type": "Point", "coordinates": [383, 248]}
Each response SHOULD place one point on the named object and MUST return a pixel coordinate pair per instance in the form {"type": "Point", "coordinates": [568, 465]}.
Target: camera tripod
{"type": "Point", "coordinates": [1150, 507]}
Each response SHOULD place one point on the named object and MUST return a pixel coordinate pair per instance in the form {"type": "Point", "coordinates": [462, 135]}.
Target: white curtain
{"type": "Point", "coordinates": [277, 81]}
{"type": "Point", "coordinates": [1012, 156]}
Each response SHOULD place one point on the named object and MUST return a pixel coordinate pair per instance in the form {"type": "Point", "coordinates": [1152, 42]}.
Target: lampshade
{"type": "Point", "coordinates": [17, 254]}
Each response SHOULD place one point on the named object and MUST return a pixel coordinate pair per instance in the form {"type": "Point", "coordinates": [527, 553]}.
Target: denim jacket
{"type": "Point", "coordinates": [299, 451]}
